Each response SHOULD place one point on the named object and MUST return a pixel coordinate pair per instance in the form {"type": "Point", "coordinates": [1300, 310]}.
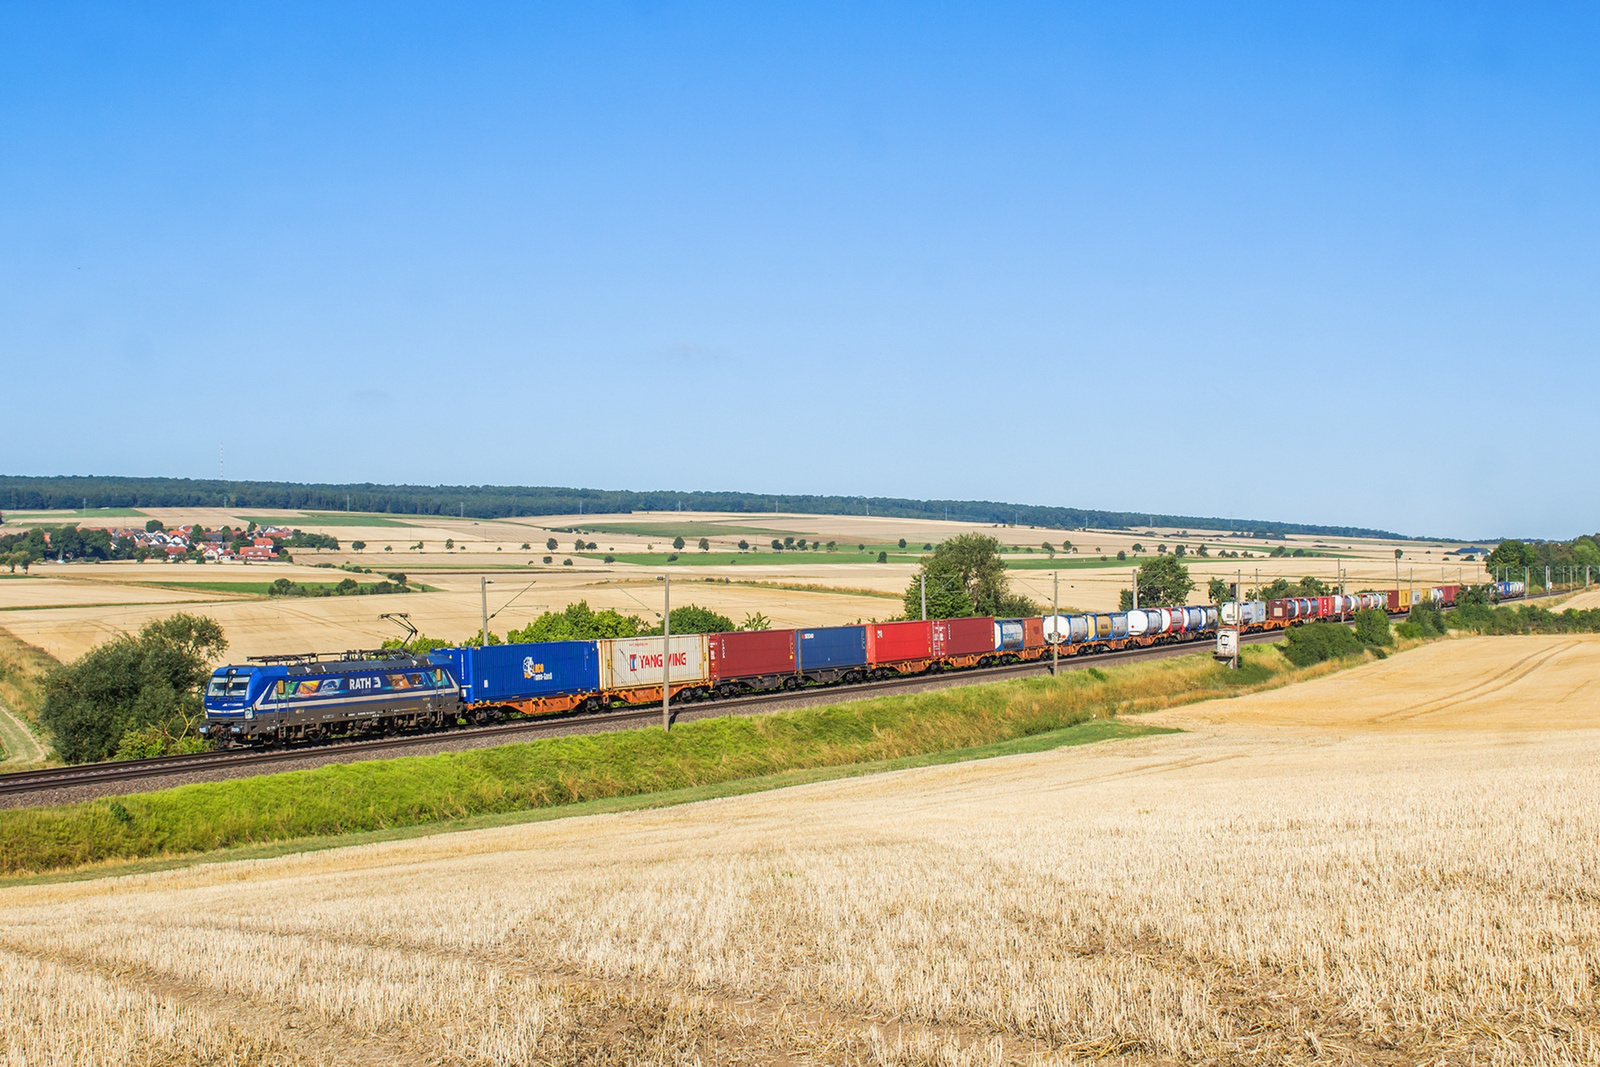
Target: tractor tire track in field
{"type": "Point", "coordinates": [22, 748]}
{"type": "Point", "coordinates": [1502, 679]}
{"type": "Point", "coordinates": [607, 1019]}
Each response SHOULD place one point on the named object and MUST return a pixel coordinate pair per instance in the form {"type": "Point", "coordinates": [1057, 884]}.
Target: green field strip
{"type": "Point", "coordinates": [329, 518]}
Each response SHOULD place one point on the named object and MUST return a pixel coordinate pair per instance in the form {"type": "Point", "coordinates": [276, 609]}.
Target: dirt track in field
{"type": "Point", "coordinates": [1500, 684]}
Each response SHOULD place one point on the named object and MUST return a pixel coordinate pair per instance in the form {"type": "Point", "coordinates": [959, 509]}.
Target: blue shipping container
{"type": "Point", "coordinates": [833, 646]}
{"type": "Point", "coordinates": [517, 672]}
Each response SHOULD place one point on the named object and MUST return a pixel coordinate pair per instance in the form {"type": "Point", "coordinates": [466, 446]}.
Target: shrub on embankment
{"type": "Point", "coordinates": [411, 791]}
{"type": "Point", "coordinates": [1524, 619]}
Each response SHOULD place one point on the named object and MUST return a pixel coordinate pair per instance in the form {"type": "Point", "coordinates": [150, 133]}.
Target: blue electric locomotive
{"type": "Point", "coordinates": [291, 698]}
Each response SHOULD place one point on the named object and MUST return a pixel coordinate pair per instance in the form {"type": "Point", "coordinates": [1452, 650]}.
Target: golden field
{"type": "Point", "coordinates": [1395, 864]}
{"type": "Point", "coordinates": [67, 608]}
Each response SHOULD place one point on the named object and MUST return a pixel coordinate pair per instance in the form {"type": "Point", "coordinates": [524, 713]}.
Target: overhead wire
{"type": "Point", "coordinates": [513, 600]}
{"type": "Point", "coordinates": [633, 598]}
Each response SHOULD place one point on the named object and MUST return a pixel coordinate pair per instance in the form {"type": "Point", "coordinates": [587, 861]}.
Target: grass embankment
{"type": "Point", "coordinates": [648, 765]}
{"type": "Point", "coordinates": [21, 664]}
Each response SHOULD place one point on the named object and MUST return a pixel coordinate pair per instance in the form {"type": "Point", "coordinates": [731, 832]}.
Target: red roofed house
{"type": "Point", "coordinates": [255, 553]}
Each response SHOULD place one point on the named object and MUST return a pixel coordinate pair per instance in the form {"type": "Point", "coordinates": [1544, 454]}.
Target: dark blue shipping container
{"type": "Point", "coordinates": [518, 672]}
{"type": "Point", "coordinates": [833, 646]}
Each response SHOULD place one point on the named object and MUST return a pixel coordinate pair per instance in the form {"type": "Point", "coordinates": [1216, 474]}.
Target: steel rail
{"type": "Point", "coordinates": [48, 778]}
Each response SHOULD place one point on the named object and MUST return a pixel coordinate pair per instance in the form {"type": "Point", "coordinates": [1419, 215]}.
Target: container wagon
{"type": "Point", "coordinates": [899, 648]}
{"type": "Point", "coordinates": [962, 642]}
{"type": "Point", "coordinates": [830, 654]}
{"type": "Point", "coordinates": [752, 661]}
{"type": "Point", "coordinates": [538, 678]}
{"type": "Point", "coordinates": [632, 668]}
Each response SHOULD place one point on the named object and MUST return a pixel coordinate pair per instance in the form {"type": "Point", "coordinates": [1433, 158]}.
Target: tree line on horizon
{"type": "Point", "coordinates": [67, 492]}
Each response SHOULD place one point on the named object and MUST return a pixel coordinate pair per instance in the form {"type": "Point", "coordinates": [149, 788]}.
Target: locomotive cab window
{"type": "Point", "coordinates": [228, 688]}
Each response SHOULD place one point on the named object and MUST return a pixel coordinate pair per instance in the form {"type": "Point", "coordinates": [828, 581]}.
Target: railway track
{"type": "Point", "coordinates": [48, 779]}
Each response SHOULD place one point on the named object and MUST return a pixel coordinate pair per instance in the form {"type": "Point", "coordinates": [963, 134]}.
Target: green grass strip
{"type": "Point", "coordinates": [1067, 737]}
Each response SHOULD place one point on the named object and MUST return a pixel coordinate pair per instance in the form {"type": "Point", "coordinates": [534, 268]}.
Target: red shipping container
{"type": "Point", "coordinates": [1280, 609]}
{"type": "Point", "coordinates": [963, 637]}
{"type": "Point", "coordinates": [1032, 633]}
{"type": "Point", "coordinates": [891, 642]}
{"type": "Point", "coordinates": [751, 654]}
{"type": "Point", "coordinates": [1325, 607]}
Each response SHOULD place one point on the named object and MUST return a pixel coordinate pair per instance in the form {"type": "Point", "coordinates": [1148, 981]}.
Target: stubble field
{"type": "Point", "coordinates": [1394, 864]}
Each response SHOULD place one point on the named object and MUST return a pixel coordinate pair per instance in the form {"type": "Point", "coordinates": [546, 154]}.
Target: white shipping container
{"type": "Point", "coordinates": [1255, 611]}
{"type": "Point", "coordinates": [631, 662]}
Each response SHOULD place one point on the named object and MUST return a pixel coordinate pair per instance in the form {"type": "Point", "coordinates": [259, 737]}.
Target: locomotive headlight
{"type": "Point", "coordinates": [249, 713]}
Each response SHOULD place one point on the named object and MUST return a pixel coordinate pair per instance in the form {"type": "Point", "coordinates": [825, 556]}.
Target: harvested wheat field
{"type": "Point", "coordinates": [1373, 867]}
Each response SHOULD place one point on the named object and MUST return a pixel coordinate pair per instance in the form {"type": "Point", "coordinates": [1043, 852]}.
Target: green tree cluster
{"type": "Point", "coordinates": [578, 622]}
{"type": "Point", "coordinates": [694, 620]}
{"type": "Point", "coordinates": [417, 645]}
{"type": "Point", "coordinates": [1281, 587]}
{"type": "Point", "coordinates": [1425, 619]}
{"type": "Point", "coordinates": [1510, 558]}
{"type": "Point", "coordinates": [63, 542]}
{"type": "Point", "coordinates": [1524, 619]}
{"type": "Point", "coordinates": [1318, 641]}
{"type": "Point", "coordinates": [1163, 582]}
{"type": "Point", "coordinates": [965, 576]}
{"type": "Point", "coordinates": [143, 689]}
{"type": "Point", "coordinates": [301, 539]}
{"type": "Point", "coordinates": [1372, 628]}
{"type": "Point", "coordinates": [396, 583]}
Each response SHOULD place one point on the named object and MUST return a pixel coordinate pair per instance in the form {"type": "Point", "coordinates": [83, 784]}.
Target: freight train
{"type": "Point", "coordinates": [315, 697]}
{"type": "Point", "coordinates": [1255, 616]}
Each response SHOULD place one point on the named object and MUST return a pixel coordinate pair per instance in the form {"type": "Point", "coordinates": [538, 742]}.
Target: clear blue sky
{"type": "Point", "coordinates": [1311, 262]}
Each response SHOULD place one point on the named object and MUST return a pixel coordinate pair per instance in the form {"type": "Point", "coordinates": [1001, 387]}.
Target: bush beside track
{"type": "Point", "coordinates": [418, 791]}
